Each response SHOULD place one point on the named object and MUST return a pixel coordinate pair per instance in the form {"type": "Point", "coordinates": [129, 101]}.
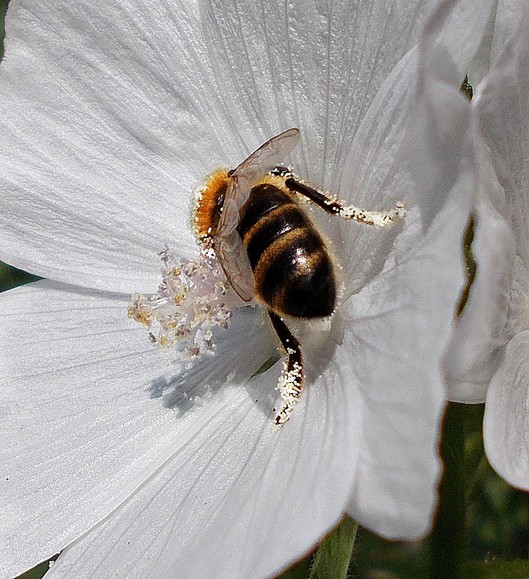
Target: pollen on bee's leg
{"type": "Point", "coordinates": [376, 218]}
{"type": "Point", "coordinates": [335, 206]}
{"type": "Point", "coordinates": [292, 378]}
{"type": "Point", "coordinates": [192, 299]}
{"type": "Point", "coordinates": [290, 385]}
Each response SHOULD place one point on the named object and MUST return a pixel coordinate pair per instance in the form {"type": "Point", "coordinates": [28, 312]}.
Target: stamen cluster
{"type": "Point", "coordinates": [190, 302]}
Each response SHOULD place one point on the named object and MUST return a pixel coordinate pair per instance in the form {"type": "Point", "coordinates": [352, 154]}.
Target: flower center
{"type": "Point", "coordinates": [192, 299]}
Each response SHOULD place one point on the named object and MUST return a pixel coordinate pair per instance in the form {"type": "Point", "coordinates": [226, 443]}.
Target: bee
{"type": "Point", "coordinates": [269, 248]}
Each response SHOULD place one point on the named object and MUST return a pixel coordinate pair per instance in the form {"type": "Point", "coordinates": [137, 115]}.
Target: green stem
{"type": "Point", "coordinates": [449, 541]}
{"type": "Point", "coordinates": [478, 475]}
{"type": "Point", "coordinates": [334, 554]}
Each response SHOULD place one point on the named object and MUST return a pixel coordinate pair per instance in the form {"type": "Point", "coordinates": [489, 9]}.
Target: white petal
{"type": "Point", "coordinates": [462, 27]}
{"type": "Point", "coordinates": [109, 116]}
{"type": "Point", "coordinates": [506, 421]}
{"type": "Point", "coordinates": [90, 410]}
{"type": "Point", "coordinates": [95, 410]}
{"type": "Point", "coordinates": [403, 322]}
{"type": "Point", "coordinates": [396, 161]}
{"type": "Point", "coordinates": [390, 159]}
{"type": "Point", "coordinates": [308, 64]}
{"type": "Point", "coordinates": [241, 498]}
{"type": "Point", "coordinates": [505, 17]}
{"type": "Point", "coordinates": [477, 344]}
{"type": "Point", "coordinates": [371, 176]}
{"type": "Point", "coordinates": [501, 108]}
{"type": "Point", "coordinates": [404, 318]}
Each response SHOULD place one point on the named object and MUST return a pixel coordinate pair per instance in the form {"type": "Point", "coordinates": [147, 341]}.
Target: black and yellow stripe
{"type": "Point", "coordinates": [293, 270]}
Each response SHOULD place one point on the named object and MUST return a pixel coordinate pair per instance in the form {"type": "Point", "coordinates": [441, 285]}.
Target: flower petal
{"type": "Point", "coordinates": [372, 175]}
{"type": "Point", "coordinates": [239, 497]}
{"type": "Point", "coordinates": [501, 107]}
{"type": "Point", "coordinates": [404, 317]}
{"type": "Point", "coordinates": [308, 64]}
{"type": "Point", "coordinates": [110, 117]}
{"type": "Point", "coordinates": [203, 474]}
{"type": "Point", "coordinates": [477, 345]}
{"type": "Point", "coordinates": [90, 410]}
{"type": "Point", "coordinates": [506, 421]}
{"type": "Point", "coordinates": [388, 160]}
{"type": "Point", "coordinates": [241, 501]}
{"type": "Point", "coordinates": [503, 110]}
{"type": "Point", "coordinates": [402, 321]}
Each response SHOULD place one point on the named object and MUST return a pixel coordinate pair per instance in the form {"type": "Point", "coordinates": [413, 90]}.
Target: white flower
{"type": "Point", "coordinates": [494, 326]}
{"type": "Point", "coordinates": [132, 460]}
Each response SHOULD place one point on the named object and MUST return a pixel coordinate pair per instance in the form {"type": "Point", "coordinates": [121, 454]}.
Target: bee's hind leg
{"type": "Point", "coordinates": [291, 381]}
{"type": "Point", "coordinates": [336, 206]}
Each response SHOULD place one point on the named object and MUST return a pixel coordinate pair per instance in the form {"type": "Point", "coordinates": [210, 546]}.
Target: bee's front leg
{"type": "Point", "coordinates": [335, 206]}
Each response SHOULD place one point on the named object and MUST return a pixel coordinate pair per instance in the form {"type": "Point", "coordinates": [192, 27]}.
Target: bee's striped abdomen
{"type": "Point", "coordinates": [293, 270]}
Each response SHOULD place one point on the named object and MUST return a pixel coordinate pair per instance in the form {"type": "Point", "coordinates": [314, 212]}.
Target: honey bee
{"type": "Point", "coordinates": [269, 248]}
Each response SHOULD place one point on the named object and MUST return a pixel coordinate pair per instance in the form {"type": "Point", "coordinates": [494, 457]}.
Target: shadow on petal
{"type": "Point", "coordinates": [240, 353]}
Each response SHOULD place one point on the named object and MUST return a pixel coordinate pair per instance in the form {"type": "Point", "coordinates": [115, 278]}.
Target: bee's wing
{"type": "Point", "coordinates": [243, 177]}
{"type": "Point", "coordinates": [233, 258]}
{"type": "Point", "coordinates": [228, 245]}
{"type": "Point", "coordinates": [267, 156]}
